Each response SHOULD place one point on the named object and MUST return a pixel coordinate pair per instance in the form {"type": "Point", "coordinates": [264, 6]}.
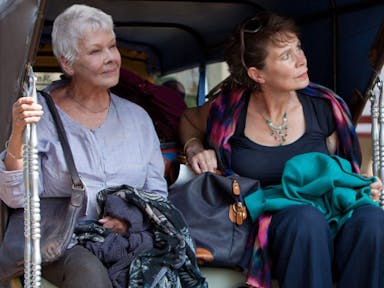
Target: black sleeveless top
{"type": "Point", "coordinates": [266, 163]}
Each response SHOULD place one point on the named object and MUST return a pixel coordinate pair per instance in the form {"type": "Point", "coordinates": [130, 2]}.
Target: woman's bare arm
{"type": "Point", "coordinates": [332, 142]}
{"type": "Point", "coordinates": [193, 124]}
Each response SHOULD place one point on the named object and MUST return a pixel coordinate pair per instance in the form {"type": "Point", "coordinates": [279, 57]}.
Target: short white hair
{"type": "Point", "coordinates": [71, 25]}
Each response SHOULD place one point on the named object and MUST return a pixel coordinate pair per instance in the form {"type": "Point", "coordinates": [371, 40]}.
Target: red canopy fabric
{"type": "Point", "coordinates": [163, 104]}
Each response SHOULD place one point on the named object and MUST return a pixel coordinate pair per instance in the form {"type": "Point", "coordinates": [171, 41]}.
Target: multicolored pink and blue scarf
{"type": "Point", "coordinates": [221, 125]}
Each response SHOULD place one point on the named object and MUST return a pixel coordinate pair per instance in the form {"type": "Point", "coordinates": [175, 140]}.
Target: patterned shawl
{"type": "Point", "coordinates": [171, 263]}
{"type": "Point", "coordinates": [221, 125]}
{"type": "Point", "coordinates": [226, 109]}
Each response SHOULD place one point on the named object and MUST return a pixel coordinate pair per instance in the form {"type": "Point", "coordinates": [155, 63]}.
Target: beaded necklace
{"type": "Point", "coordinates": [279, 132]}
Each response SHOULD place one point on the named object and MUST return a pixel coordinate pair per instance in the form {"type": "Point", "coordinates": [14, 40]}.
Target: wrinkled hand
{"type": "Point", "coordinates": [201, 160]}
{"type": "Point", "coordinates": [115, 224]}
{"type": "Point", "coordinates": [376, 188]}
{"type": "Point", "coordinates": [25, 111]}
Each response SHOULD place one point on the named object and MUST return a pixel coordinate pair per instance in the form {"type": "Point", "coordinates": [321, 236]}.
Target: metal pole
{"type": "Point", "coordinates": [377, 133]}
{"type": "Point", "coordinates": [32, 254]}
{"type": "Point", "coordinates": [379, 84]}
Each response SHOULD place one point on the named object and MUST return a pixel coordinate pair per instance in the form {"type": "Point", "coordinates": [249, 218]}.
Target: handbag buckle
{"type": "Point", "coordinates": [78, 187]}
{"type": "Point", "coordinates": [235, 188]}
{"type": "Point", "coordinates": [240, 212]}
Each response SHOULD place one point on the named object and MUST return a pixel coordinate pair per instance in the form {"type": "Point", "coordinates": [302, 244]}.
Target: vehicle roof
{"type": "Point", "coordinates": [337, 37]}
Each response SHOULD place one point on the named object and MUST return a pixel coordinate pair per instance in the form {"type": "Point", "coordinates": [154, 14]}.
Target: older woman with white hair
{"type": "Point", "coordinates": [113, 141]}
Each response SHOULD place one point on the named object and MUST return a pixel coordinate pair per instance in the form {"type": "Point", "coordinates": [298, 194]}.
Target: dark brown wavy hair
{"type": "Point", "coordinates": [273, 28]}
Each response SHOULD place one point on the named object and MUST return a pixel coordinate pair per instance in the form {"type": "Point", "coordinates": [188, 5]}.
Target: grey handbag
{"type": "Point", "coordinates": [58, 217]}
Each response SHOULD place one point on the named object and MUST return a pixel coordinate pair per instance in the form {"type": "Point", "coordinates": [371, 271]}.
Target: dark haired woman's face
{"type": "Point", "coordinates": [285, 65]}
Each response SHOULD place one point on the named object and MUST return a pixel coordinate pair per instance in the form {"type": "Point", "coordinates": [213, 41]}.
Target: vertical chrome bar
{"type": "Point", "coordinates": [379, 84]}
{"type": "Point", "coordinates": [375, 133]}
{"type": "Point", "coordinates": [32, 203]}
{"type": "Point", "coordinates": [27, 212]}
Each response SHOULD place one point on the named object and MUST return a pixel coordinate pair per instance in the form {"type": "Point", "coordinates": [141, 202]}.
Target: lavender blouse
{"type": "Point", "coordinates": [125, 149]}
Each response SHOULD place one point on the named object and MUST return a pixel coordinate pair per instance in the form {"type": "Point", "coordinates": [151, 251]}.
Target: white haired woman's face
{"type": "Point", "coordinates": [98, 61]}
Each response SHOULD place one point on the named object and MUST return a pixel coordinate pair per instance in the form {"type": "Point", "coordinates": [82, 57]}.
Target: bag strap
{"type": "Point", "coordinates": [78, 187]}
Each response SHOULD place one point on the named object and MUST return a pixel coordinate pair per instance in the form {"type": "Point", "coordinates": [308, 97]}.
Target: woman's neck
{"type": "Point", "coordinates": [89, 99]}
{"type": "Point", "coordinates": [272, 105]}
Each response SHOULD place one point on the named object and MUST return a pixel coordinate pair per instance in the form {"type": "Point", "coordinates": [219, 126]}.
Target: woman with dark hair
{"type": "Point", "coordinates": [266, 113]}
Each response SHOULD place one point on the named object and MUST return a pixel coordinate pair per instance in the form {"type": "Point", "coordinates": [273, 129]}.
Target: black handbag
{"type": "Point", "coordinates": [58, 217]}
{"type": "Point", "coordinates": [214, 209]}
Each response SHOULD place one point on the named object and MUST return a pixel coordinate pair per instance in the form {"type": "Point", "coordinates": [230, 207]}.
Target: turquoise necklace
{"type": "Point", "coordinates": [279, 132]}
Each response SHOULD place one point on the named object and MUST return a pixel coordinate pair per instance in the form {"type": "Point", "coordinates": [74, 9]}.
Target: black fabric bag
{"type": "Point", "coordinates": [58, 218]}
{"type": "Point", "coordinates": [214, 209]}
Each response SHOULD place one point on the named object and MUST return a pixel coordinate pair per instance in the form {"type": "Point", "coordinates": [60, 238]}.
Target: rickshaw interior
{"type": "Point", "coordinates": [160, 40]}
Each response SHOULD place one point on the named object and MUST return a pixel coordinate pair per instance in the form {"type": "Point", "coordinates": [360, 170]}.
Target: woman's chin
{"type": "Point", "coordinates": [303, 83]}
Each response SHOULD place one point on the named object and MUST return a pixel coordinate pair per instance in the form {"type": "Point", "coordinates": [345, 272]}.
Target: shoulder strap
{"type": "Point", "coordinates": [77, 184]}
